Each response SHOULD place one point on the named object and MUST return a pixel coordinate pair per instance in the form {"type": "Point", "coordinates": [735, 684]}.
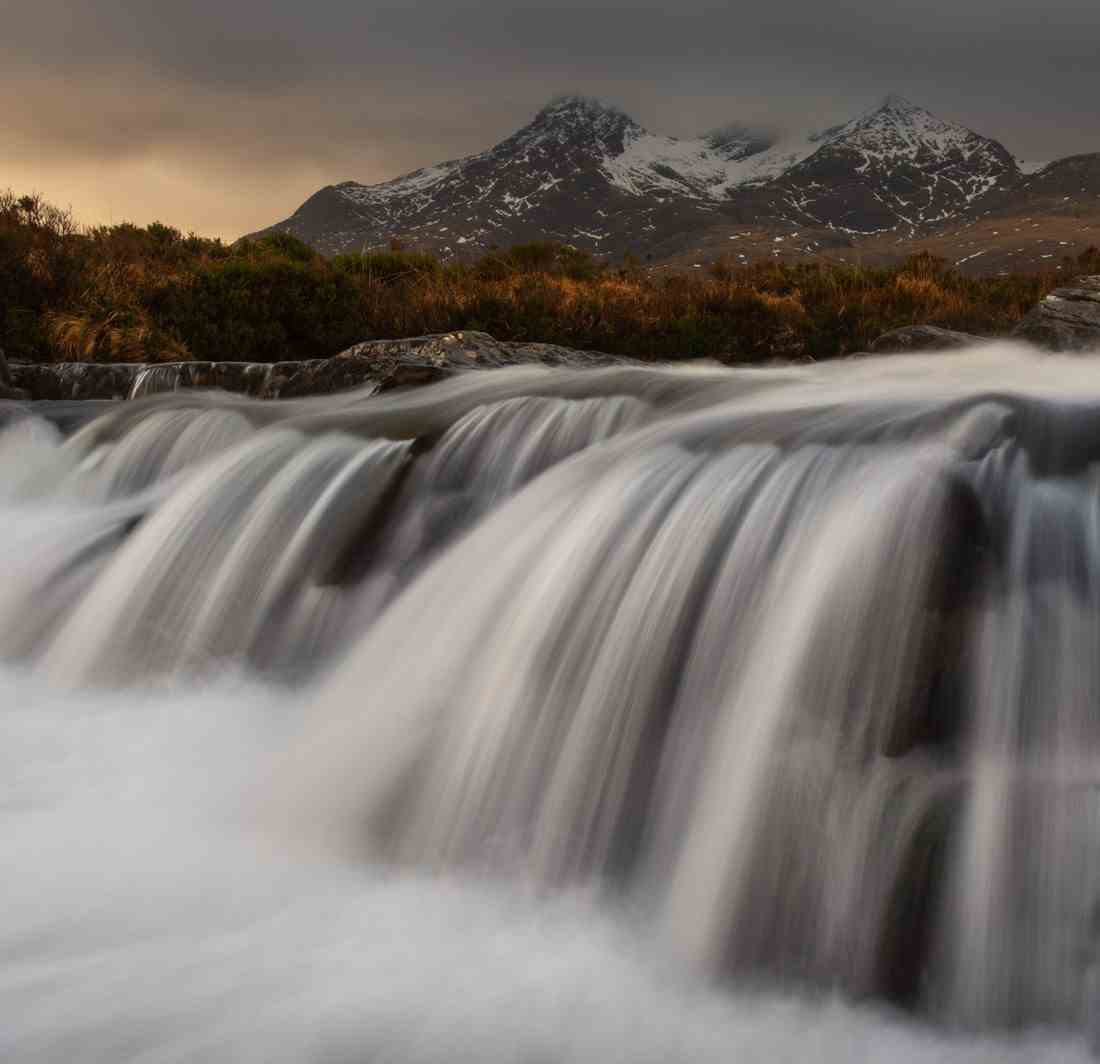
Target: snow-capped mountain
{"type": "Point", "coordinates": [580, 172]}
{"type": "Point", "coordinates": [589, 175]}
{"type": "Point", "coordinates": [899, 167]}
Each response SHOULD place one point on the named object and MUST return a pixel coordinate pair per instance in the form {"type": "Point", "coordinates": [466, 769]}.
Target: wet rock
{"type": "Point", "coordinates": [8, 390]}
{"type": "Point", "coordinates": [905, 951]}
{"type": "Point", "coordinates": [75, 380]}
{"type": "Point", "coordinates": [1067, 320]}
{"type": "Point", "coordinates": [387, 364]}
{"type": "Point", "coordinates": [923, 338]}
{"type": "Point", "coordinates": [425, 359]}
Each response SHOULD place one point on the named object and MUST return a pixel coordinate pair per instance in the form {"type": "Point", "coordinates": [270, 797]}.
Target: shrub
{"type": "Point", "coordinates": [281, 245]}
{"type": "Point", "coordinates": [387, 267]}
{"type": "Point", "coordinates": [260, 310]}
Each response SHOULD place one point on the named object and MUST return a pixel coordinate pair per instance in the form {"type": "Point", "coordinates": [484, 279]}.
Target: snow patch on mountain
{"type": "Point", "coordinates": [702, 167]}
{"type": "Point", "coordinates": [418, 183]}
{"type": "Point", "coordinates": [782, 156]}
{"type": "Point", "coordinates": [899, 130]}
{"type": "Point", "coordinates": [652, 163]}
{"type": "Point", "coordinates": [896, 166]}
{"type": "Point", "coordinates": [894, 133]}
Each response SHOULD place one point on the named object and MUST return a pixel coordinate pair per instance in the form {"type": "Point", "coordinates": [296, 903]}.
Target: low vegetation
{"type": "Point", "coordinates": [131, 293]}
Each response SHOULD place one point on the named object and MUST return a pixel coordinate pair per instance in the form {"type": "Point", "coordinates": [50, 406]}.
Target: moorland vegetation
{"type": "Point", "coordinates": [150, 293]}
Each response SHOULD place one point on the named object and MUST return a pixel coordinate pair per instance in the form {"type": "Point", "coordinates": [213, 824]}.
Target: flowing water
{"type": "Point", "coordinates": [625, 714]}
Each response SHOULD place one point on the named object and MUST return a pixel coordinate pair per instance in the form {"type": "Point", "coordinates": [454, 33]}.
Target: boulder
{"type": "Point", "coordinates": [385, 364]}
{"type": "Point", "coordinates": [425, 359]}
{"type": "Point", "coordinates": [1067, 320]}
{"type": "Point", "coordinates": [923, 338]}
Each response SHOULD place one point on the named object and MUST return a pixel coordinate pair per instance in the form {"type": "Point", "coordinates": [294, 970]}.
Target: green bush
{"type": "Point", "coordinates": [388, 266]}
{"type": "Point", "coordinates": [280, 245]}
{"type": "Point", "coordinates": [260, 311]}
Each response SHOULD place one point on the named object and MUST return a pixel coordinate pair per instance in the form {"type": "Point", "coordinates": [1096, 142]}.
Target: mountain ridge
{"type": "Point", "coordinates": [586, 173]}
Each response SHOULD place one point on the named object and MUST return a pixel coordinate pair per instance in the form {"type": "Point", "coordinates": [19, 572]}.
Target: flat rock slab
{"type": "Point", "coordinates": [386, 364]}
{"type": "Point", "coordinates": [1067, 320]}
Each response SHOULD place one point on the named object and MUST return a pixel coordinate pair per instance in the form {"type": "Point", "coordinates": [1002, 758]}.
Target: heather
{"type": "Point", "coordinates": [133, 293]}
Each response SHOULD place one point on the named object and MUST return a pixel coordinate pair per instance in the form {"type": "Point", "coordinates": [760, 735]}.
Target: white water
{"type": "Point", "coordinates": [143, 920]}
{"type": "Point", "coordinates": [199, 860]}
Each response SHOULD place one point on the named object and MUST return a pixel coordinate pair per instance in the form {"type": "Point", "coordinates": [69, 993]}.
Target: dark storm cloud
{"type": "Point", "coordinates": [225, 115]}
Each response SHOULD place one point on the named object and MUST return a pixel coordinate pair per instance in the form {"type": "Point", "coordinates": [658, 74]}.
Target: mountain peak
{"type": "Point", "coordinates": [897, 104]}
{"type": "Point", "coordinates": [578, 121]}
{"type": "Point", "coordinates": [577, 107]}
{"type": "Point", "coordinates": [899, 128]}
{"type": "Point", "coordinates": [895, 109]}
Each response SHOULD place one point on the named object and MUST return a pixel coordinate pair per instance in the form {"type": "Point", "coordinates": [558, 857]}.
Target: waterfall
{"type": "Point", "coordinates": [155, 379]}
{"type": "Point", "coordinates": [798, 664]}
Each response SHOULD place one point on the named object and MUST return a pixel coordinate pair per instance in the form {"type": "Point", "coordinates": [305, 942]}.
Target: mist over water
{"type": "Point", "coordinates": [629, 714]}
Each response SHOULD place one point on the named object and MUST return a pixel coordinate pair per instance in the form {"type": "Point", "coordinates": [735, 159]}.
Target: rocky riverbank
{"type": "Point", "coordinates": [387, 364]}
{"type": "Point", "coordinates": [1067, 320]}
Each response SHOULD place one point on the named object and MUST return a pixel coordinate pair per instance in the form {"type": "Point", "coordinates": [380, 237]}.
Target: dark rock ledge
{"type": "Point", "coordinates": [387, 364]}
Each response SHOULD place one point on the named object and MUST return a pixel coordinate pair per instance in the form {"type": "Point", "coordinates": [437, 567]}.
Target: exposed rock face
{"type": "Point", "coordinates": [897, 169]}
{"type": "Point", "coordinates": [1067, 320]}
{"type": "Point", "coordinates": [387, 364]}
{"type": "Point", "coordinates": [923, 338]}
{"type": "Point", "coordinates": [1065, 187]}
{"type": "Point", "coordinates": [75, 380]}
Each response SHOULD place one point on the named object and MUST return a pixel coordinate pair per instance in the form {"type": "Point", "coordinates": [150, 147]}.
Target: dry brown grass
{"type": "Point", "coordinates": [125, 293]}
{"type": "Point", "coordinates": [82, 338]}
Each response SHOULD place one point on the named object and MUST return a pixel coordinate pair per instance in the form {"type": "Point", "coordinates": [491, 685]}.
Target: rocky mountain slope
{"type": "Point", "coordinates": [897, 169]}
{"type": "Point", "coordinates": [589, 175]}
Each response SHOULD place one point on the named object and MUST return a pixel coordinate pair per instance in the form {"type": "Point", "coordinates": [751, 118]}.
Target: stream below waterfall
{"type": "Point", "coordinates": [639, 714]}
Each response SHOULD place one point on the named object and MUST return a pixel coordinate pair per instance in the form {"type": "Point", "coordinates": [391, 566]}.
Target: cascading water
{"type": "Point", "coordinates": [558, 715]}
{"type": "Point", "coordinates": [155, 379]}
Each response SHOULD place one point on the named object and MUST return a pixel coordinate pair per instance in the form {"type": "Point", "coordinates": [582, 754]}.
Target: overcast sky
{"type": "Point", "coordinates": [222, 116]}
